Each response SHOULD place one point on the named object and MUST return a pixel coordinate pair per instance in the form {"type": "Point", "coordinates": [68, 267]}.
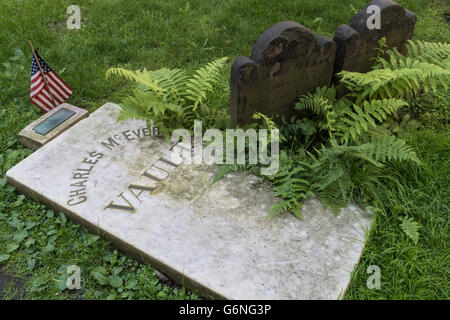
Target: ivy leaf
{"type": "Point", "coordinates": [61, 284]}
{"type": "Point", "coordinates": [99, 274]}
{"type": "Point", "coordinates": [10, 247]}
{"type": "Point", "coordinates": [62, 218]}
{"type": "Point", "coordinates": [30, 264]}
{"type": "Point", "coordinates": [16, 224]}
{"type": "Point", "coordinates": [117, 270]}
{"type": "Point", "coordinates": [131, 284]}
{"type": "Point", "coordinates": [4, 257]}
{"type": "Point", "coordinates": [112, 296]}
{"type": "Point", "coordinates": [91, 239]}
{"type": "Point", "coordinates": [18, 52]}
{"type": "Point", "coordinates": [113, 258]}
{"type": "Point", "coordinates": [29, 242]}
{"type": "Point", "coordinates": [115, 281]}
{"type": "Point", "coordinates": [30, 224]}
{"type": "Point", "coordinates": [19, 201]}
{"type": "Point", "coordinates": [18, 237]}
{"type": "Point", "coordinates": [38, 284]}
{"type": "Point", "coordinates": [3, 182]}
{"type": "Point", "coordinates": [48, 248]}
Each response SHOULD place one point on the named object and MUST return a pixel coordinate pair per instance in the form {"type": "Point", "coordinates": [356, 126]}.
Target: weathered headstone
{"type": "Point", "coordinates": [115, 178]}
{"type": "Point", "coordinates": [286, 61]}
{"type": "Point", "coordinates": [357, 45]}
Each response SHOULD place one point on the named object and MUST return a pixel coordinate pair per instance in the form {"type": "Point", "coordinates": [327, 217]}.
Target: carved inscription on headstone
{"type": "Point", "coordinates": [357, 44]}
{"type": "Point", "coordinates": [286, 61]}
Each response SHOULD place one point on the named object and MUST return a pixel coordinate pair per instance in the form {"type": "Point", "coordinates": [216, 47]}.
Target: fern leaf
{"type": "Point", "coordinates": [145, 105]}
{"type": "Point", "coordinates": [143, 78]}
{"type": "Point", "coordinates": [410, 228]}
{"type": "Point", "coordinates": [353, 122]}
{"type": "Point", "coordinates": [289, 184]}
{"type": "Point", "coordinates": [389, 148]}
{"type": "Point", "coordinates": [431, 52]}
{"type": "Point", "coordinates": [319, 104]}
{"type": "Point", "coordinates": [395, 83]}
{"type": "Point", "coordinates": [315, 103]}
{"type": "Point", "coordinates": [283, 206]}
{"type": "Point", "coordinates": [202, 81]}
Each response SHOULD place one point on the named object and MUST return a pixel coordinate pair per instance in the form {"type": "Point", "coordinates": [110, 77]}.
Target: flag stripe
{"type": "Point", "coordinates": [55, 93]}
{"type": "Point", "coordinates": [35, 76]}
{"type": "Point", "coordinates": [60, 83]}
{"type": "Point", "coordinates": [41, 105]}
{"type": "Point", "coordinates": [58, 99]}
{"type": "Point", "coordinates": [44, 100]}
{"type": "Point", "coordinates": [36, 83]}
{"type": "Point", "coordinates": [38, 104]}
{"type": "Point", "coordinates": [57, 89]}
{"type": "Point", "coordinates": [36, 91]}
{"type": "Point", "coordinates": [36, 79]}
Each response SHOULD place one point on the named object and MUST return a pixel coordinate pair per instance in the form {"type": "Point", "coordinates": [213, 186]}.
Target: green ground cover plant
{"type": "Point", "coordinates": [37, 244]}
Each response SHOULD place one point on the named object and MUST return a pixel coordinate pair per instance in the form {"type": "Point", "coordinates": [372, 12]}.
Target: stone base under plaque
{"type": "Point", "coordinates": [51, 125]}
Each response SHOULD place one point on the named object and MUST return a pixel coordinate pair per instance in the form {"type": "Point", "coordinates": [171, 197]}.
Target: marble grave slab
{"type": "Point", "coordinates": [114, 177]}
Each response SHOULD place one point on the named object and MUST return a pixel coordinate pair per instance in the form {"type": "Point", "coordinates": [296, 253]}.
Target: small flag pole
{"type": "Point", "coordinates": [42, 72]}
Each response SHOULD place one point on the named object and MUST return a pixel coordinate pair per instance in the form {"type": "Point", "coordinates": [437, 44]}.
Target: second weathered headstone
{"type": "Point", "coordinates": [357, 44]}
{"type": "Point", "coordinates": [287, 60]}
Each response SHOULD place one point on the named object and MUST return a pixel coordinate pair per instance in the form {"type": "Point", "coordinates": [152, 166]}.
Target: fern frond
{"type": "Point", "coordinates": [353, 123]}
{"type": "Point", "coordinates": [317, 104]}
{"type": "Point", "coordinates": [289, 184]}
{"type": "Point", "coordinates": [169, 84]}
{"type": "Point", "coordinates": [410, 228]}
{"type": "Point", "coordinates": [330, 177]}
{"type": "Point", "coordinates": [335, 196]}
{"type": "Point", "coordinates": [143, 78]}
{"type": "Point", "coordinates": [270, 124]}
{"type": "Point", "coordinates": [173, 81]}
{"type": "Point", "coordinates": [407, 77]}
{"type": "Point", "coordinates": [202, 81]}
{"type": "Point", "coordinates": [307, 127]}
{"type": "Point", "coordinates": [385, 148]}
{"type": "Point", "coordinates": [430, 52]}
{"type": "Point", "coordinates": [168, 96]}
{"type": "Point", "coordinates": [289, 205]}
{"type": "Point", "coordinates": [320, 105]}
{"type": "Point", "coordinates": [144, 105]}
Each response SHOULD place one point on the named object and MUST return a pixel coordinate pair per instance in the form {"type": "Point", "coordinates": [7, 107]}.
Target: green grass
{"type": "Point", "coordinates": [411, 271]}
{"type": "Point", "coordinates": [155, 34]}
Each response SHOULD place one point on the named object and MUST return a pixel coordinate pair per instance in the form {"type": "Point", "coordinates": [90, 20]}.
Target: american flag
{"type": "Point", "coordinates": [39, 94]}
